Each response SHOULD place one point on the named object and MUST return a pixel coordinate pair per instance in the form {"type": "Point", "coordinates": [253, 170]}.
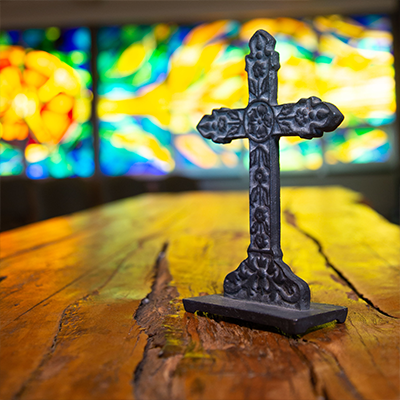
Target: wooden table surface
{"type": "Point", "coordinates": [91, 303]}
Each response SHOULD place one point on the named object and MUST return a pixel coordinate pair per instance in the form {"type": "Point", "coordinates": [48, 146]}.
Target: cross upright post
{"type": "Point", "coordinates": [263, 287]}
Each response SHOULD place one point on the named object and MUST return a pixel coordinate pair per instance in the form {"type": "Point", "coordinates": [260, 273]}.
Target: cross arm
{"type": "Point", "coordinates": [223, 125]}
{"type": "Point", "coordinates": [308, 118]}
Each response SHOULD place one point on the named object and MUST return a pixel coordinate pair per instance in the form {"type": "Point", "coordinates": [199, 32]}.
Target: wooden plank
{"type": "Point", "coordinates": [197, 358]}
{"type": "Point", "coordinates": [57, 263]}
{"type": "Point", "coordinates": [362, 246]}
{"type": "Point", "coordinates": [83, 224]}
{"type": "Point", "coordinates": [57, 273]}
{"type": "Point", "coordinates": [79, 300]}
{"type": "Point", "coordinates": [95, 335]}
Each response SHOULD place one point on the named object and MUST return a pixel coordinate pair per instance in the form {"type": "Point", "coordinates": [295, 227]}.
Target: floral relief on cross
{"type": "Point", "coordinates": [260, 223]}
{"type": "Point", "coordinates": [259, 121]}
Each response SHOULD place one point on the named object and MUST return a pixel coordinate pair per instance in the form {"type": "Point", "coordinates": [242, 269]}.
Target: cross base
{"type": "Point", "coordinates": [290, 321]}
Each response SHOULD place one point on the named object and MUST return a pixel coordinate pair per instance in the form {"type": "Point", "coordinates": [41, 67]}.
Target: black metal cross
{"type": "Point", "coordinates": [263, 276]}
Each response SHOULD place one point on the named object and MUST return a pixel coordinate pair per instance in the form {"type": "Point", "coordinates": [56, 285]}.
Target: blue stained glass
{"type": "Point", "coordinates": [81, 38]}
{"type": "Point", "coordinates": [33, 37]}
{"type": "Point", "coordinates": [14, 36]}
{"type": "Point", "coordinates": [37, 171]}
{"type": "Point", "coordinates": [378, 22]}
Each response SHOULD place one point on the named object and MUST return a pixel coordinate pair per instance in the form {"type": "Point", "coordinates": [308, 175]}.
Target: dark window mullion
{"type": "Point", "coordinates": [94, 116]}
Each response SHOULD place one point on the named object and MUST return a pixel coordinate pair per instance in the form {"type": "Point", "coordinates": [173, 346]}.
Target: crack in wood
{"type": "Point", "coordinates": [67, 315]}
{"type": "Point", "coordinates": [342, 374]}
{"type": "Point", "coordinates": [49, 297]}
{"type": "Point", "coordinates": [371, 357]}
{"type": "Point", "coordinates": [314, 381]}
{"type": "Point", "coordinates": [318, 384]}
{"type": "Point", "coordinates": [291, 220]}
{"type": "Point", "coordinates": [161, 355]}
{"type": "Point", "coordinates": [34, 375]}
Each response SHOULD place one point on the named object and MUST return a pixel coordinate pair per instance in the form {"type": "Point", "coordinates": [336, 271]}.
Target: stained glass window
{"type": "Point", "coordinates": [46, 94]}
{"type": "Point", "coordinates": [155, 84]}
{"type": "Point", "coordinates": [157, 81]}
{"type": "Point", "coordinates": [355, 69]}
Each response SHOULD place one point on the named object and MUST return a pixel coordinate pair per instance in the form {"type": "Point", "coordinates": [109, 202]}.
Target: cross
{"type": "Point", "coordinates": [263, 276]}
{"type": "Point", "coordinates": [263, 289]}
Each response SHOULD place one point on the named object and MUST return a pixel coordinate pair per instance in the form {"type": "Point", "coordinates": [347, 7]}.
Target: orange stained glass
{"type": "Point", "coordinates": [45, 102]}
{"type": "Point", "coordinates": [40, 99]}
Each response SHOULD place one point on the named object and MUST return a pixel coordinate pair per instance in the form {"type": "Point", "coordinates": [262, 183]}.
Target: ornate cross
{"type": "Point", "coordinates": [263, 277]}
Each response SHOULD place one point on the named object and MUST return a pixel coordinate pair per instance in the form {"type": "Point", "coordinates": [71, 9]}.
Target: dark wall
{"type": "Point", "coordinates": [24, 201]}
{"type": "Point", "coordinates": [30, 14]}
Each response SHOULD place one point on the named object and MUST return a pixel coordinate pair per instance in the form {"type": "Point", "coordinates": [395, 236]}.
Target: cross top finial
{"type": "Point", "coordinates": [262, 65]}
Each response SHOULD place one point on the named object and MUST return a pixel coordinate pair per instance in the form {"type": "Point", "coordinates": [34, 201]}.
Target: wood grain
{"type": "Point", "coordinates": [49, 278]}
{"type": "Point", "coordinates": [91, 303]}
{"type": "Point", "coordinates": [356, 241]}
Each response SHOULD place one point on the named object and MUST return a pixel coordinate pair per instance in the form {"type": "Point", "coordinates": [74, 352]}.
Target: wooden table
{"type": "Point", "coordinates": [91, 303]}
